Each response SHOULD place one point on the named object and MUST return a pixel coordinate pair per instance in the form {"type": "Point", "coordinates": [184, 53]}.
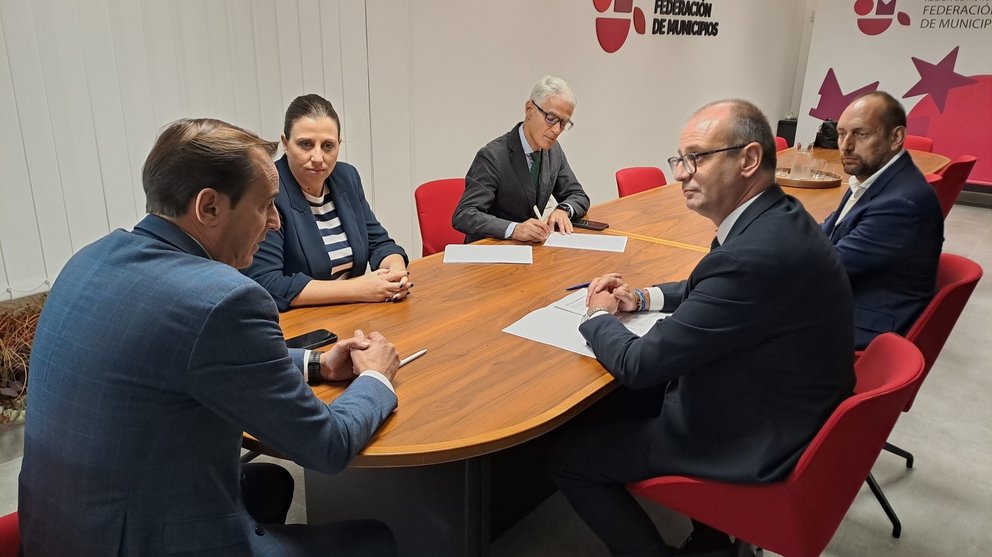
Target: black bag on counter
{"type": "Point", "coordinates": [827, 136]}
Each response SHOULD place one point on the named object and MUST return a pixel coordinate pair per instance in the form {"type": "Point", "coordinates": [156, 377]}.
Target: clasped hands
{"type": "Point", "coordinates": [351, 356]}
{"type": "Point", "coordinates": [538, 230]}
{"type": "Point", "coordinates": [611, 293]}
{"type": "Point", "coordinates": [387, 284]}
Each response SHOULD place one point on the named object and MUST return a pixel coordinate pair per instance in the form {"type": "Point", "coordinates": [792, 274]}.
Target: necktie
{"type": "Point", "coordinates": [715, 243]}
{"type": "Point", "coordinates": [535, 168]}
{"type": "Point", "coordinates": [856, 193]}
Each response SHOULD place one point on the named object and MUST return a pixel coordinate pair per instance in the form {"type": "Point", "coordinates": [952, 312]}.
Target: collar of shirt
{"type": "Point", "coordinates": [724, 229]}
{"type": "Point", "coordinates": [527, 148]}
{"type": "Point", "coordinates": [855, 185]}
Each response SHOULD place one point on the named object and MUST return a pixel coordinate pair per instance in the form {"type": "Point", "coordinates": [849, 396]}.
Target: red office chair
{"type": "Point", "coordinates": [639, 178]}
{"type": "Point", "coordinates": [10, 535]}
{"type": "Point", "coordinates": [780, 143]}
{"type": "Point", "coordinates": [918, 143]}
{"type": "Point", "coordinates": [953, 178]}
{"type": "Point", "coordinates": [436, 201]}
{"type": "Point", "coordinates": [798, 516]}
{"type": "Point", "coordinates": [957, 277]}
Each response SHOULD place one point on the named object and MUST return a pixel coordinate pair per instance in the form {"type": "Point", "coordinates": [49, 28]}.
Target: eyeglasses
{"type": "Point", "coordinates": [551, 120]}
{"type": "Point", "coordinates": [691, 160]}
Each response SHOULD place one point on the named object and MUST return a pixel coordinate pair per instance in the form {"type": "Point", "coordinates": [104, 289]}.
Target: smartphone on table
{"type": "Point", "coordinates": [312, 339]}
{"type": "Point", "coordinates": [589, 224]}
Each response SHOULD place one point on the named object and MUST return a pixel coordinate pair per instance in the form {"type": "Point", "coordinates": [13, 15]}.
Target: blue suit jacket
{"type": "Point", "coordinates": [149, 362]}
{"type": "Point", "coordinates": [292, 256]}
{"type": "Point", "coordinates": [760, 363]}
{"type": "Point", "coordinates": [890, 244]}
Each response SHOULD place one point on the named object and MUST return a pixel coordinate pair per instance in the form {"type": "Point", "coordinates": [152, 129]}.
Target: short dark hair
{"type": "Point", "coordinates": [893, 114]}
{"type": "Point", "coordinates": [193, 154]}
{"type": "Point", "coordinates": [309, 106]}
{"type": "Point", "coordinates": [748, 125]}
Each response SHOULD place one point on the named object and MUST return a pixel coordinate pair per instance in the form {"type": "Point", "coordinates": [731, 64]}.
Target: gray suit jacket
{"type": "Point", "coordinates": [759, 343]}
{"type": "Point", "coordinates": [498, 189]}
{"type": "Point", "coordinates": [149, 362]}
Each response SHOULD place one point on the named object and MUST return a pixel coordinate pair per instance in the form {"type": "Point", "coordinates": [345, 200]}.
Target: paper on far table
{"type": "Point", "coordinates": [559, 327]}
{"type": "Point", "coordinates": [471, 253]}
{"type": "Point", "coordinates": [598, 242]}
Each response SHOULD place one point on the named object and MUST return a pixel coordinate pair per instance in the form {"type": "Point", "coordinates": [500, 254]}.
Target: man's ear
{"type": "Point", "coordinates": [898, 136]}
{"type": "Point", "coordinates": [752, 159]}
{"type": "Point", "coordinates": [208, 206]}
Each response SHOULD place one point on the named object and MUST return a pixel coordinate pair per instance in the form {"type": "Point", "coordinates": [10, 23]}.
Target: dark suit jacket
{"type": "Point", "coordinates": [149, 362]}
{"type": "Point", "coordinates": [498, 190]}
{"type": "Point", "coordinates": [292, 256]}
{"type": "Point", "coordinates": [759, 342]}
{"type": "Point", "coordinates": [890, 244]}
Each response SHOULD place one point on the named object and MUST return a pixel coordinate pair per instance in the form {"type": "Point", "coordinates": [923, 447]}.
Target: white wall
{"type": "Point", "coordinates": [85, 85]}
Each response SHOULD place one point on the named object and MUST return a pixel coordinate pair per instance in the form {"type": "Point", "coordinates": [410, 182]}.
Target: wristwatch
{"type": "Point", "coordinates": [313, 367]}
{"type": "Point", "coordinates": [565, 207]}
{"type": "Point", "coordinates": [596, 309]}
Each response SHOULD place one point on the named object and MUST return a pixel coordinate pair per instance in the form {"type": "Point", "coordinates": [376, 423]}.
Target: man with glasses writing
{"type": "Point", "coordinates": [888, 229]}
{"type": "Point", "coordinates": [743, 373]}
{"type": "Point", "coordinates": [513, 177]}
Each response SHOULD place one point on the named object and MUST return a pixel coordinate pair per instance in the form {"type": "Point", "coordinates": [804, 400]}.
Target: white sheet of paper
{"type": "Point", "coordinates": [471, 253]}
{"type": "Point", "coordinates": [559, 327]}
{"type": "Point", "coordinates": [598, 242]}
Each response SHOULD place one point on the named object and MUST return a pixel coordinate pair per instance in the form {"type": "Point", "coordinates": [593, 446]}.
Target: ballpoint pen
{"type": "Point", "coordinates": [412, 357]}
{"type": "Point", "coordinates": [577, 286]}
{"type": "Point", "coordinates": [536, 212]}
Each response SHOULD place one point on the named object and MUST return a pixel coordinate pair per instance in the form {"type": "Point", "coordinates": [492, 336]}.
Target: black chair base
{"type": "Point", "coordinates": [901, 452]}
{"type": "Point", "coordinates": [889, 512]}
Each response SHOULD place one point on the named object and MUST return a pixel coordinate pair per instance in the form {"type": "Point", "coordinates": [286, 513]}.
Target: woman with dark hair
{"type": "Point", "coordinates": [329, 235]}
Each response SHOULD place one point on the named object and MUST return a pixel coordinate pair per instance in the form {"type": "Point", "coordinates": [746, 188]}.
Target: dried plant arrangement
{"type": "Point", "coordinates": [18, 321]}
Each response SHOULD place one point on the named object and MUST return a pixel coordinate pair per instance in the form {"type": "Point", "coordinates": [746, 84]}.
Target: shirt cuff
{"type": "Point", "coordinates": [509, 230]}
{"type": "Point", "coordinates": [657, 298]}
{"type": "Point", "coordinates": [382, 378]}
{"type": "Point", "coordinates": [306, 359]}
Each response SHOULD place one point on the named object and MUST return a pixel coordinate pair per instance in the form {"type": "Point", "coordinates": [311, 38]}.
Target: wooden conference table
{"type": "Point", "coordinates": [479, 392]}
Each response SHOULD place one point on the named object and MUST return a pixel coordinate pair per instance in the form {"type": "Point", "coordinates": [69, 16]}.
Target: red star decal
{"type": "Point", "coordinates": [938, 79]}
{"type": "Point", "coordinates": [832, 100]}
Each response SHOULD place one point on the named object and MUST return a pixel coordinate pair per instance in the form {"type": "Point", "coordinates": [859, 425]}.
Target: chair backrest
{"type": "Point", "coordinates": [918, 143]}
{"type": "Point", "coordinates": [639, 178]}
{"type": "Point", "coordinates": [436, 201]}
{"type": "Point", "coordinates": [953, 178]}
{"type": "Point", "coordinates": [780, 143]}
{"type": "Point", "coordinates": [836, 462]}
{"type": "Point", "coordinates": [957, 277]}
{"type": "Point", "coordinates": [10, 535]}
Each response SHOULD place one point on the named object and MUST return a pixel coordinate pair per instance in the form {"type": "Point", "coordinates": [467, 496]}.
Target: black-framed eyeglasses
{"type": "Point", "coordinates": [551, 120]}
{"type": "Point", "coordinates": [691, 160]}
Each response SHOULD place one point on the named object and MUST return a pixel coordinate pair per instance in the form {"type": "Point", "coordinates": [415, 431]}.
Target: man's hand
{"type": "Point", "coordinates": [604, 300]}
{"type": "Point", "coordinates": [611, 285]}
{"type": "Point", "coordinates": [531, 230]}
{"type": "Point", "coordinates": [559, 218]}
{"type": "Point", "coordinates": [335, 364]}
{"type": "Point", "coordinates": [380, 355]}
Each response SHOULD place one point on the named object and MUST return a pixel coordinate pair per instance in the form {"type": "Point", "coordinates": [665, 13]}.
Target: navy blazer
{"type": "Point", "coordinates": [760, 362]}
{"type": "Point", "coordinates": [149, 362]}
{"type": "Point", "coordinates": [498, 189]}
{"type": "Point", "coordinates": [890, 244]}
{"type": "Point", "coordinates": [292, 256]}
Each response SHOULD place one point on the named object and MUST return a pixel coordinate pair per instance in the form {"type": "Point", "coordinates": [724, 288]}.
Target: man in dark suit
{"type": "Point", "coordinates": [153, 354]}
{"type": "Point", "coordinates": [888, 229]}
{"type": "Point", "coordinates": [749, 365]}
{"type": "Point", "coordinates": [515, 175]}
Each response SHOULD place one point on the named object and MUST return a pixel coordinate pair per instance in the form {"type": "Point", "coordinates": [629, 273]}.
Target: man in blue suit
{"type": "Point", "coordinates": [888, 229]}
{"type": "Point", "coordinates": [153, 354]}
{"type": "Point", "coordinates": [747, 368]}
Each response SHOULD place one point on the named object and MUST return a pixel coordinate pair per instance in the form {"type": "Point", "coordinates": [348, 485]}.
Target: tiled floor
{"type": "Point", "coordinates": [945, 501]}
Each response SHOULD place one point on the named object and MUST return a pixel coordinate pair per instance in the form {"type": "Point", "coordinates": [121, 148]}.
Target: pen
{"type": "Point", "coordinates": [536, 212]}
{"type": "Point", "coordinates": [578, 286]}
{"type": "Point", "coordinates": [412, 357]}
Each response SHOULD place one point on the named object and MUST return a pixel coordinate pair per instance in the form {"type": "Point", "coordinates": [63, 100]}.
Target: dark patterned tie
{"type": "Point", "coordinates": [715, 243]}
{"type": "Point", "coordinates": [535, 168]}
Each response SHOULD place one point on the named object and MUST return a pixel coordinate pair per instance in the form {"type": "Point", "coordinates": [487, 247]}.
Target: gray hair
{"type": "Point", "coordinates": [551, 86]}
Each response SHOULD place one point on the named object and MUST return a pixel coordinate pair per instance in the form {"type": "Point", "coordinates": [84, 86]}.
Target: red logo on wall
{"type": "Point", "coordinates": [875, 17]}
{"type": "Point", "coordinates": [613, 31]}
